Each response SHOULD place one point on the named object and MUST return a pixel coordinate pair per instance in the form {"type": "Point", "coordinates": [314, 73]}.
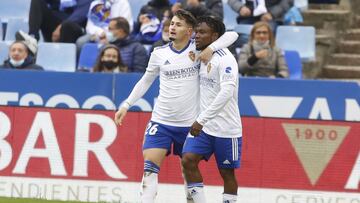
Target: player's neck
{"type": "Point", "coordinates": [180, 44]}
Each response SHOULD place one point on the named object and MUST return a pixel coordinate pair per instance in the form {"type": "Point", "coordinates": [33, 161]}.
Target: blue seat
{"type": "Point", "coordinates": [14, 25]}
{"type": "Point", "coordinates": [243, 28]}
{"type": "Point", "coordinates": [293, 61]}
{"type": "Point", "coordinates": [14, 9]}
{"type": "Point", "coordinates": [88, 55]}
{"type": "Point", "coordinates": [4, 51]}
{"type": "Point", "coordinates": [298, 38]}
{"type": "Point", "coordinates": [57, 56]}
{"type": "Point", "coordinates": [229, 16]}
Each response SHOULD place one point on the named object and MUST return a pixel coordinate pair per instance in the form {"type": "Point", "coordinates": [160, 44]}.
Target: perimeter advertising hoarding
{"type": "Point", "coordinates": [280, 98]}
{"type": "Point", "coordinates": [81, 155]}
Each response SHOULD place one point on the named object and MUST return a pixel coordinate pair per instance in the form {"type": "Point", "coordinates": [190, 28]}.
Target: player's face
{"type": "Point", "coordinates": [179, 30]}
{"type": "Point", "coordinates": [204, 36]}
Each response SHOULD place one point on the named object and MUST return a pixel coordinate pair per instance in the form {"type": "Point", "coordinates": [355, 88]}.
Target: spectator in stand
{"type": "Point", "coordinates": [161, 9]}
{"type": "Point", "coordinates": [99, 15]}
{"type": "Point", "coordinates": [260, 57]}
{"type": "Point", "coordinates": [109, 60]}
{"type": "Point", "coordinates": [133, 53]}
{"type": "Point", "coordinates": [252, 11]}
{"type": "Point", "coordinates": [201, 7]}
{"type": "Point", "coordinates": [164, 36]}
{"type": "Point", "coordinates": [58, 20]}
{"type": "Point", "coordinates": [19, 58]}
{"type": "Point", "coordinates": [150, 29]}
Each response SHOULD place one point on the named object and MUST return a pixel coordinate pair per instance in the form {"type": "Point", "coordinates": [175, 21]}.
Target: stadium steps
{"type": "Point", "coordinates": [344, 59]}
{"type": "Point", "coordinates": [338, 71]}
{"type": "Point", "coordinates": [349, 46]}
{"type": "Point", "coordinates": [321, 18]}
{"type": "Point", "coordinates": [352, 34]}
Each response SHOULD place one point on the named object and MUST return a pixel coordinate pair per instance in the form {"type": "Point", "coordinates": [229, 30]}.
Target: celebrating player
{"type": "Point", "coordinates": [217, 130]}
{"type": "Point", "coordinates": [177, 103]}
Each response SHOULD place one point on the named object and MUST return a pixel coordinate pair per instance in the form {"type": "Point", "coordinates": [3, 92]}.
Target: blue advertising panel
{"type": "Point", "coordinates": [281, 98]}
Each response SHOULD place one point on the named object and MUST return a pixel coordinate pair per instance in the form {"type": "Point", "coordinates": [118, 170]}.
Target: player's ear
{"type": "Point", "coordinates": [215, 36]}
{"type": "Point", "coordinates": [190, 31]}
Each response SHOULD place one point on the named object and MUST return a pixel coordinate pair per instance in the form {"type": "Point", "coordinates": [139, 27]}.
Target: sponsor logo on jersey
{"type": "Point", "coordinates": [228, 70]}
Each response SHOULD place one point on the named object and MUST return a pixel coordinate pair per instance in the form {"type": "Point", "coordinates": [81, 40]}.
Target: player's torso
{"type": "Point", "coordinates": [227, 123]}
{"type": "Point", "coordinates": [177, 103]}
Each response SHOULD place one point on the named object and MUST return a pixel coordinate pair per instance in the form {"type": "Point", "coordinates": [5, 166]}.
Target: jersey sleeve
{"type": "Point", "coordinates": [141, 87]}
{"type": "Point", "coordinates": [224, 41]}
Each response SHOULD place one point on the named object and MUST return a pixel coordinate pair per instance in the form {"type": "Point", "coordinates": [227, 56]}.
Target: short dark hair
{"type": "Point", "coordinates": [214, 23]}
{"type": "Point", "coordinates": [187, 16]}
{"type": "Point", "coordinates": [122, 23]}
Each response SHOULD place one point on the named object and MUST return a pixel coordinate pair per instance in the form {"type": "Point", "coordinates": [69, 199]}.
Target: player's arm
{"type": "Point", "coordinates": [224, 41]}
{"type": "Point", "coordinates": [141, 87]}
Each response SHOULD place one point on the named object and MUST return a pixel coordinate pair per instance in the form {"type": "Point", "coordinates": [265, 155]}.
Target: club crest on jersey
{"type": "Point", "coordinates": [192, 55]}
{"type": "Point", "coordinates": [208, 67]}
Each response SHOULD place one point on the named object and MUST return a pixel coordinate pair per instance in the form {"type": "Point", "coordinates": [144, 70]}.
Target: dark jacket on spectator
{"type": "Point", "coordinates": [277, 8]}
{"type": "Point", "coordinates": [133, 54]}
{"type": "Point", "coordinates": [27, 65]}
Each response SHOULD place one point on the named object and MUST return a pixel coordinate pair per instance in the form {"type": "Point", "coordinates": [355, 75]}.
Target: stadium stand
{"type": "Point", "coordinates": [293, 61]}
{"type": "Point", "coordinates": [14, 25]}
{"type": "Point", "coordinates": [57, 56]}
{"type": "Point", "coordinates": [14, 9]}
{"type": "Point", "coordinates": [299, 38]}
{"type": "Point", "coordinates": [4, 51]}
{"type": "Point", "coordinates": [88, 56]}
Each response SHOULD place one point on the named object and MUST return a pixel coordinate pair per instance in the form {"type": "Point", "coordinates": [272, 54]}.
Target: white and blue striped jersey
{"type": "Point", "coordinates": [219, 82]}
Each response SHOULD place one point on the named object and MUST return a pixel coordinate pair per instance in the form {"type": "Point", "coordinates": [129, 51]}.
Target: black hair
{"type": "Point", "coordinates": [214, 23]}
{"type": "Point", "coordinates": [187, 16]}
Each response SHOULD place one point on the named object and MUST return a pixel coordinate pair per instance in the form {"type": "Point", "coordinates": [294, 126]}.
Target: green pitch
{"type": "Point", "coordinates": [21, 200]}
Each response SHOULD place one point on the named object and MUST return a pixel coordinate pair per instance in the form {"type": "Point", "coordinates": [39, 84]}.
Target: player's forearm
{"type": "Point", "coordinates": [139, 90]}
{"type": "Point", "coordinates": [221, 99]}
{"type": "Point", "coordinates": [227, 39]}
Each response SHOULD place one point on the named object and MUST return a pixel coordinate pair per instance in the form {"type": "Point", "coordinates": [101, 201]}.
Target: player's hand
{"type": "Point", "coordinates": [196, 129]}
{"type": "Point", "coordinates": [205, 55]}
{"type": "Point", "coordinates": [119, 115]}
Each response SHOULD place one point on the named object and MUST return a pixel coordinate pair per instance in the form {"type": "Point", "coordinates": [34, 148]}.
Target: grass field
{"type": "Point", "coordinates": [20, 200]}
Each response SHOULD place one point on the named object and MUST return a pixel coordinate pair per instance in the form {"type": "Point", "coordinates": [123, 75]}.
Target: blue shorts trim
{"type": "Point", "coordinates": [162, 136]}
{"type": "Point", "coordinates": [227, 151]}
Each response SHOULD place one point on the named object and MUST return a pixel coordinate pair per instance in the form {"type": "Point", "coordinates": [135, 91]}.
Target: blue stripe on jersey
{"type": "Point", "coordinates": [149, 166]}
{"type": "Point", "coordinates": [179, 52]}
{"type": "Point", "coordinates": [221, 52]}
{"type": "Point", "coordinates": [191, 185]}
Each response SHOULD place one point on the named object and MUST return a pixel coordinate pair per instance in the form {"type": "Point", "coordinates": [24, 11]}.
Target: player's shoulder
{"type": "Point", "coordinates": [222, 53]}
{"type": "Point", "coordinates": [161, 48]}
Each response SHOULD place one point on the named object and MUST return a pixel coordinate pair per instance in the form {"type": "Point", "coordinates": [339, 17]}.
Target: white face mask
{"type": "Point", "coordinates": [16, 63]}
{"type": "Point", "coordinates": [165, 36]}
{"type": "Point", "coordinates": [110, 36]}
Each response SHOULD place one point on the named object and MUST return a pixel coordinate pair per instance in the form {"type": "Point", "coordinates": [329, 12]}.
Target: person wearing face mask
{"type": "Point", "coordinates": [133, 53]}
{"type": "Point", "coordinates": [19, 58]}
{"type": "Point", "coordinates": [260, 57]}
{"type": "Point", "coordinates": [109, 60]}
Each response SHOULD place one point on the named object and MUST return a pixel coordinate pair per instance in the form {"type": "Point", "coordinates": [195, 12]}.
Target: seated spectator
{"type": "Point", "coordinates": [19, 58]}
{"type": "Point", "coordinates": [260, 57]}
{"type": "Point", "coordinates": [99, 15]}
{"type": "Point", "coordinates": [164, 35]}
{"type": "Point", "coordinates": [133, 53]}
{"type": "Point", "coordinates": [270, 11]}
{"type": "Point", "coordinates": [59, 21]}
{"type": "Point", "coordinates": [161, 9]}
{"type": "Point", "coordinates": [150, 29]}
{"type": "Point", "coordinates": [201, 7]}
{"type": "Point", "coordinates": [109, 60]}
